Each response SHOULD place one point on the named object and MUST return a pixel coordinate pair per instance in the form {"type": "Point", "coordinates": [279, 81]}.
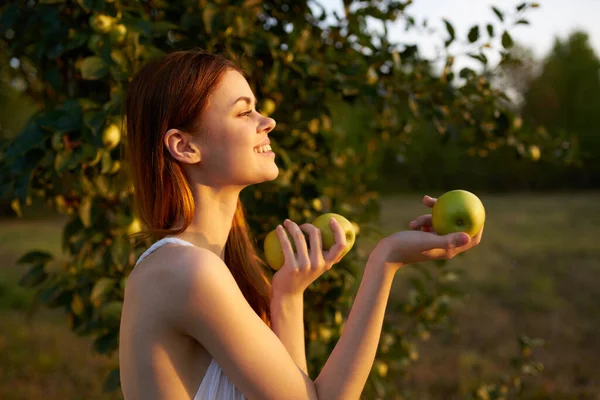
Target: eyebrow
{"type": "Point", "coordinates": [246, 99]}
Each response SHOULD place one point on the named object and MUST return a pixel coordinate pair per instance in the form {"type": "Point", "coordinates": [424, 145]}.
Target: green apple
{"type": "Point", "coordinates": [101, 23]}
{"type": "Point", "coordinates": [118, 33]}
{"type": "Point", "coordinates": [111, 136]}
{"type": "Point", "coordinates": [458, 211]}
{"type": "Point", "coordinates": [274, 252]}
{"type": "Point", "coordinates": [322, 222]}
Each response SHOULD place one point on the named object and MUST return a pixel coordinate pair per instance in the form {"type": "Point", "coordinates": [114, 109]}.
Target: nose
{"type": "Point", "coordinates": [268, 125]}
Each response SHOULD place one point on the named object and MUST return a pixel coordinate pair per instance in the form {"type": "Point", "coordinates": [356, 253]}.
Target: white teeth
{"type": "Point", "coordinates": [262, 149]}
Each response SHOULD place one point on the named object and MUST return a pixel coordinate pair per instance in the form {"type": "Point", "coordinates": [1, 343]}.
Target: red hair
{"type": "Point", "coordinates": [172, 92]}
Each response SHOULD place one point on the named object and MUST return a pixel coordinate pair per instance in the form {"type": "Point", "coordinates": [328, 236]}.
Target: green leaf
{"type": "Point", "coordinates": [112, 310]}
{"type": "Point", "coordinates": [473, 34]}
{"type": "Point", "coordinates": [88, 104]}
{"type": "Point", "coordinates": [72, 228]}
{"type": "Point", "coordinates": [77, 305]}
{"type": "Point", "coordinates": [34, 276]}
{"type": "Point", "coordinates": [61, 161]}
{"type": "Point", "coordinates": [140, 25]}
{"type": "Point", "coordinates": [48, 294]}
{"type": "Point", "coordinates": [498, 14]}
{"type": "Point", "coordinates": [61, 121]}
{"type": "Point", "coordinates": [112, 381]}
{"type": "Point", "coordinates": [107, 342]}
{"type": "Point", "coordinates": [119, 58]}
{"type": "Point", "coordinates": [102, 184]}
{"type": "Point", "coordinates": [94, 121]}
{"type": "Point", "coordinates": [522, 22]}
{"type": "Point", "coordinates": [162, 27]}
{"type": "Point", "coordinates": [208, 13]}
{"type": "Point", "coordinates": [29, 137]}
{"type": "Point", "coordinates": [93, 68]}
{"type": "Point", "coordinates": [36, 256]}
{"type": "Point", "coordinates": [490, 30]}
{"type": "Point", "coordinates": [507, 41]}
{"type": "Point", "coordinates": [119, 251]}
{"type": "Point", "coordinates": [85, 211]}
{"type": "Point", "coordinates": [480, 57]}
{"type": "Point", "coordinates": [101, 288]}
{"type": "Point", "coordinates": [521, 6]}
{"type": "Point", "coordinates": [107, 162]}
{"type": "Point", "coordinates": [90, 154]}
{"type": "Point", "coordinates": [15, 204]}
{"type": "Point", "coordinates": [451, 32]}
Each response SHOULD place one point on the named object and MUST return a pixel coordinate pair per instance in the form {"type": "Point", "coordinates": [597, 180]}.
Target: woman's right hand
{"type": "Point", "coordinates": [410, 247]}
{"type": "Point", "coordinates": [422, 243]}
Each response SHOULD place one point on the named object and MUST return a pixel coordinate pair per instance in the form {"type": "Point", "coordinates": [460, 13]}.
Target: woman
{"type": "Point", "coordinates": [201, 319]}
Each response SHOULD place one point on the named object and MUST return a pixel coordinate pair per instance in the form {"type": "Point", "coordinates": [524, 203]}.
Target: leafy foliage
{"type": "Point", "coordinates": [564, 98]}
{"type": "Point", "coordinates": [354, 94]}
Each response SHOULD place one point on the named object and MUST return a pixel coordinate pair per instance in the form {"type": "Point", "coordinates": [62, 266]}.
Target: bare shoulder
{"type": "Point", "coordinates": [173, 272]}
{"type": "Point", "coordinates": [199, 297]}
{"type": "Point", "coordinates": [195, 283]}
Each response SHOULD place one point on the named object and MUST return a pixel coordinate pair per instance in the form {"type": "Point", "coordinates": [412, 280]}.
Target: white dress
{"type": "Point", "coordinates": [215, 385]}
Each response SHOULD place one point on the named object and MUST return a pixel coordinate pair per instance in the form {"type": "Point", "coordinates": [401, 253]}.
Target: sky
{"type": "Point", "coordinates": [551, 19]}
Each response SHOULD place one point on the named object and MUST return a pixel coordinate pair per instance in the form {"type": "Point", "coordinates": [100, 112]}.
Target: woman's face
{"type": "Point", "coordinates": [231, 131]}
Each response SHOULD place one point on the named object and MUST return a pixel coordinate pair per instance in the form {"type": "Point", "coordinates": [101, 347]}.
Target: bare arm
{"type": "Point", "coordinates": [287, 321]}
{"type": "Point", "coordinates": [204, 302]}
{"type": "Point", "coordinates": [346, 371]}
{"type": "Point", "coordinates": [200, 298]}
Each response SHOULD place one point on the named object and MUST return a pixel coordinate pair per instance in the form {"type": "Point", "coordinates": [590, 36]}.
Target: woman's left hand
{"type": "Point", "coordinates": [301, 269]}
{"type": "Point", "coordinates": [423, 222]}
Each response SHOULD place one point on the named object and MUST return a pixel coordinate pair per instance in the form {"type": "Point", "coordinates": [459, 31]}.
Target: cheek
{"type": "Point", "coordinates": [231, 156]}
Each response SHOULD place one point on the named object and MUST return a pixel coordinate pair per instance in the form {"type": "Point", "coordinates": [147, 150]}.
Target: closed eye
{"type": "Point", "coordinates": [245, 114]}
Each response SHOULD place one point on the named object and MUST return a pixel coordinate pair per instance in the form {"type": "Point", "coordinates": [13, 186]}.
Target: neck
{"type": "Point", "coordinates": [213, 218]}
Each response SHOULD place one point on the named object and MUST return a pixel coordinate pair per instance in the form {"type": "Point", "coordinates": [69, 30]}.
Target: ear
{"type": "Point", "coordinates": [181, 146]}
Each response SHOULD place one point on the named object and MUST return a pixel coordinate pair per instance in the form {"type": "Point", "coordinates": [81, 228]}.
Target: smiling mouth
{"type": "Point", "coordinates": [263, 149]}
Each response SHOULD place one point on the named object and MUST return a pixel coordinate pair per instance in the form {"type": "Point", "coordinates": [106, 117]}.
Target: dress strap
{"type": "Point", "coordinates": [163, 241]}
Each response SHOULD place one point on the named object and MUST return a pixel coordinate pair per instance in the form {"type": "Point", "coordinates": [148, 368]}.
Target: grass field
{"type": "Point", "coordinates": [39, 357]}
{"type": "Point", "coordinates": [535, 272]}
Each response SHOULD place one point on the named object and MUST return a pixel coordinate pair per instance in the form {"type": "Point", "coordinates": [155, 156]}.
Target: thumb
{"type": "Point", "coordinates": [458, 239]}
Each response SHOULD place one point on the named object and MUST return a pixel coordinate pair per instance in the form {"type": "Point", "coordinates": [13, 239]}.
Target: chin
{"type": "Point", "coordinates": [266, 176]}
{"type": "Point", "coordinates": [272, 175]}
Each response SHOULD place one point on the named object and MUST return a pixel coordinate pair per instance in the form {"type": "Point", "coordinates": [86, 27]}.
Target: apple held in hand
{"type": "Point", "coordinates": [327, 235]}
{"type": "Point", "coordinates": [458, 211]}
{"type": "Point", "coordinates": [274, 252]}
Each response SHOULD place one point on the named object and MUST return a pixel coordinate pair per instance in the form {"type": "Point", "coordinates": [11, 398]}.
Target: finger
{"type": "Point", "coordinates": [429, 201]}
{"type": "Point", "coordinates": [316, 243]}
{"type": "Point", "coordinates": [286, 246]}
{"type": "Point", "coordinates": [300, 242]}
{"type": "Point", "coordinates": [477, 238]}
{"type": "Point", "coordinates": [333, 255]}
{"type": "Point", "coordinates": [450, 242]}
{"type": "Point", "coordinates": [419, 222]}
{"type": "Point", "coordinates": [474, 241]}
{"type": "Point", "coordinates": [456, 241]}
